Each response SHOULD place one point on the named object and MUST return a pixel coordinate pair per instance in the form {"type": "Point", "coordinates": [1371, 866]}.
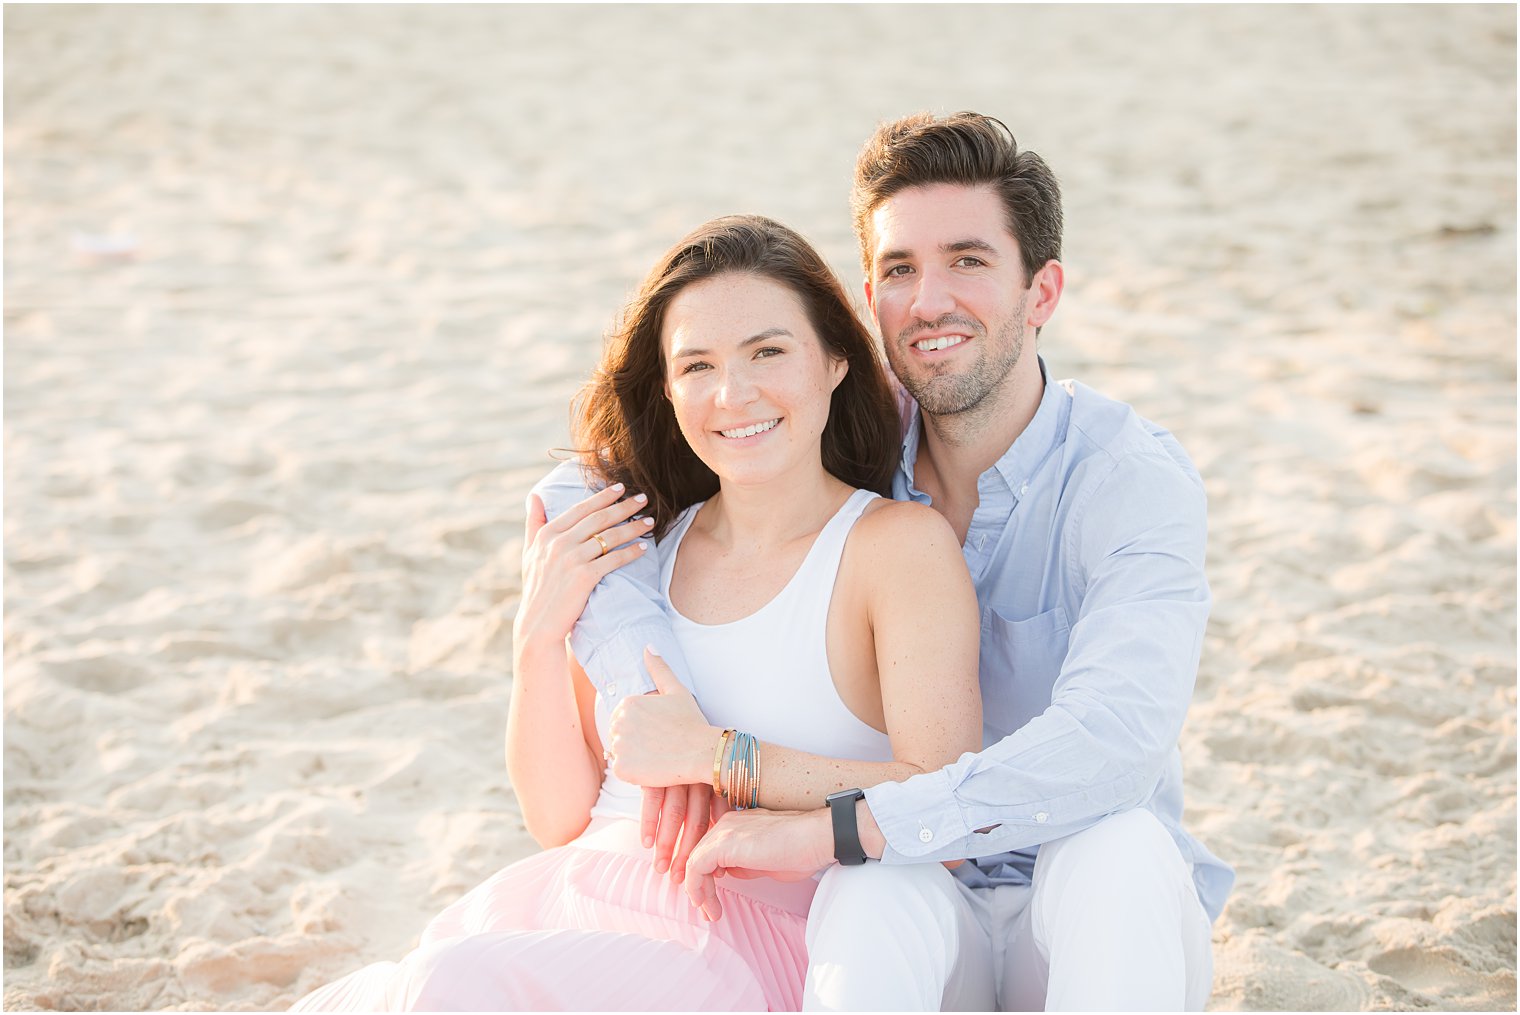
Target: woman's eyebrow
{"type": "Point", "coordinates": [776, 332]}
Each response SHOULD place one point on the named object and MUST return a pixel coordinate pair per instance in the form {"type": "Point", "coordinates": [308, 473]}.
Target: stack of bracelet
{"type": "Point", "coordinates": [736, 769]}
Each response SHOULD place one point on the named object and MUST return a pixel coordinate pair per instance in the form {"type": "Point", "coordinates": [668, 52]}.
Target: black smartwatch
{"type": "Point", "coordinates": [847, 848]}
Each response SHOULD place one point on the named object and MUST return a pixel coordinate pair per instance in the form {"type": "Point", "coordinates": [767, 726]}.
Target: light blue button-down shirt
{"type": "Point", "coordinates": [1087, 551]}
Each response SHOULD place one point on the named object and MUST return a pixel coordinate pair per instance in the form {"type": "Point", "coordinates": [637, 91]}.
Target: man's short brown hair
{"type": "Point", "coordinates": [967, 149]}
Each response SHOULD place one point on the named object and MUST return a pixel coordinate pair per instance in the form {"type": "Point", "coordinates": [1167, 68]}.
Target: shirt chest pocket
{"type": "Point", "coordinates": [1021, 660]}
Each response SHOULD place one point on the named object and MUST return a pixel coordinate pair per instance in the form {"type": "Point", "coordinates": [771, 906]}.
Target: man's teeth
{"type": "Point", "coordinates": [751, 430]}
{"type": "Point", "coordinates": [936, 344]}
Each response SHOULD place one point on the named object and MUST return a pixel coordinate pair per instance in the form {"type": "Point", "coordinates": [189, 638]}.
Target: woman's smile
{"type": "Point", "coordinates": [741, 433]}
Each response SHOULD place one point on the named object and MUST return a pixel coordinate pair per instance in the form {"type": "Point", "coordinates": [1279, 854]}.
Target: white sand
{"type": "Point", "coordinates": [295, 300]}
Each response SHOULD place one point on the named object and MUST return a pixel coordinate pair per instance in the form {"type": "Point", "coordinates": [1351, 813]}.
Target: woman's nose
{"type": "Point", "coordinates": [737, 389]}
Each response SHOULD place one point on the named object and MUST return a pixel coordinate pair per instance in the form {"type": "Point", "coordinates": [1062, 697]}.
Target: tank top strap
{"type": "Point", "coordinates": [815, 578]}
{"type": "Point", "coordinates": [824, 555]}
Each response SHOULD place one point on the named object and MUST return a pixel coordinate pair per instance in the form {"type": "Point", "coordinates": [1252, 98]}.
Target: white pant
{"type": "Point", "coordinates": [1112, 922]}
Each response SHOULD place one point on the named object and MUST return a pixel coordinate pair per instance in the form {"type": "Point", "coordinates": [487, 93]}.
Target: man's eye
{"type": "Point", "coordinates": [970, 262]}
{"type": "Point", "coordinates": [897, 270]}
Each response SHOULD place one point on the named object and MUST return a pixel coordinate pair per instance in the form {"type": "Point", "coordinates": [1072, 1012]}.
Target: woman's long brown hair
{"type": "Point", "coordinates": [626, 428]}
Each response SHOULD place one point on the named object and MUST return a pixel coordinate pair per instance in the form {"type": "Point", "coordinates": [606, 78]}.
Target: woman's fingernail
{"type": "Point", "coordinates": [643, 546]}
{"type": "Point", "coordinates": [651, 650]}
{"type": "Point", "coordinates": [640, 497]}
{"type": "Point", "coordinates": [616, 487]}
{"type": "Point", "coordinates": [649, 842]}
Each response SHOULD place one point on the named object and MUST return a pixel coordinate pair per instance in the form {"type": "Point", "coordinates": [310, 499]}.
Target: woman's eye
{"type": "Point", "coordinates": [768, 351]}
{"type": "Point", "coordinates": [692, 367]}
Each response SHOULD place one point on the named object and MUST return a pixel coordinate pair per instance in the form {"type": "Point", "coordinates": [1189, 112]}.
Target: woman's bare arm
{"type": "Point", "coordinates": [923, 616]}
{"type": "Point", "coordinates": [553, 754]}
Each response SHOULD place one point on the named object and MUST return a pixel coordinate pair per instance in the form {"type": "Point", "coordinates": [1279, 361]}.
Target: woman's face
{"type": "Point", "coordinates": [748, 377]}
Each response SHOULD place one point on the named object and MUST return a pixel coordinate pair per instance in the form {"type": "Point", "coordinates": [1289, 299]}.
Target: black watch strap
{"type": "Point", "coordinates": [847, 848]}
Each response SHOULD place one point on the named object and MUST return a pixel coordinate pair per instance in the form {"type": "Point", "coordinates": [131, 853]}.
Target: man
{"type": "Point", "coordinates": [1083, 527]}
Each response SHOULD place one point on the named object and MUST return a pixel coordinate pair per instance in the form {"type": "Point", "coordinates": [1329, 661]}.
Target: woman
{"type": "Point", "coordinates": [745, 399]}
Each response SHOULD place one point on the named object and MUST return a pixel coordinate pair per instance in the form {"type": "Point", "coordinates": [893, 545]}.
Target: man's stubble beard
{"type": "Point", "coordinates": [954, 394]}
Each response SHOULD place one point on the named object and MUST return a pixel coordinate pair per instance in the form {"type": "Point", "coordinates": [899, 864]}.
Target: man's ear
{"type": "Point", "coordinates": [870, 297]}
{"type": "Point", "coordinates": [1049, 281]}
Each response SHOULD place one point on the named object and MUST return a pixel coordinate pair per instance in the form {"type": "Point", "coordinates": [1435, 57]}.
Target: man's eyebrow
{"type": "Point", "coordinates": [761, 336]}
{"type": "Point", "coordinates": [957, 247]}
{"type": "Point", "coordinates": [961, 246]}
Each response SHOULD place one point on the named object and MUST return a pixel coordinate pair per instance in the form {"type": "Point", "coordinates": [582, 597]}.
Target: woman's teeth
{"type": "Point", "coordinates": [751, 430]}
{"type": "Point", "coordinates": [936, 344]}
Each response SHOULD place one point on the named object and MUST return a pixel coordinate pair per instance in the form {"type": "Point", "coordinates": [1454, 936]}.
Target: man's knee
{"type": "Point", "coordinates": [1118, 918]}
{"type": "Point", "coordinates": [876, 895]}
{"type": "Point", "coordinates": [1120, 848]}
{"type": "Point", "coordinates": [883, 936]}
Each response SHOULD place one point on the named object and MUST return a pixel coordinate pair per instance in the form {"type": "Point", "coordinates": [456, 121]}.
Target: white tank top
{"type": "Point", "coordinates": [768, 673]}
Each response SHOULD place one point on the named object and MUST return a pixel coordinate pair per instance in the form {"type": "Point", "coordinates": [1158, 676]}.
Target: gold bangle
{"type": "Point", "coordinates": [718, 760]}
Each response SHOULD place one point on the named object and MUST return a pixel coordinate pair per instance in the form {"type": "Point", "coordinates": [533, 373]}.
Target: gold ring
{"type": "Point", "coordinates": [600, 542]}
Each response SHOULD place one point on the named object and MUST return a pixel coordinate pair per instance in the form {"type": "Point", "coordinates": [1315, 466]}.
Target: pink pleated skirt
{"type": "Point", "coordinates": [591, 926]}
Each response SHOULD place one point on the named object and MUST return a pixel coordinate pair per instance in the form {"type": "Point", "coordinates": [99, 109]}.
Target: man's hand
{"type": "Point", "coordinates": [661, 739]}
{"type": "Point", "coordinates": [785, 845]}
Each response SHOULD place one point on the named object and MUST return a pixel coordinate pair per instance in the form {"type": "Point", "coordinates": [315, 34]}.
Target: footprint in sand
{"type": "Point", "coordinates": [1440, 975]}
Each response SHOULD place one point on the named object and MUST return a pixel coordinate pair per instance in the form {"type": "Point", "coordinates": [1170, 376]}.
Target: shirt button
{"type": "Point", "coordinates": [610, 690]}
{"type": "Point", "coordinates": [924, 835]}
{"type": "Point", "coordinates": [1024, 490]}
{"type": "Point", "coordinates": [1041, 817]}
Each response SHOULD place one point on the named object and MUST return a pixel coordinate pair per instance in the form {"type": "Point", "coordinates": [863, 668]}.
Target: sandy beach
{"type": "Point", "coordinates": [296, 299]}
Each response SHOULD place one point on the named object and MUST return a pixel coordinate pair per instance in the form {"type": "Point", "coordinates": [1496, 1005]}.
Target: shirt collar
{"type": "Point", "coordinates": [1028, 452]}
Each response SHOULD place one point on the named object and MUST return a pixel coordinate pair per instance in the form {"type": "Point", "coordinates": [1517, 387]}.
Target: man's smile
{"type": "Point", "coordinates": [936, 343]}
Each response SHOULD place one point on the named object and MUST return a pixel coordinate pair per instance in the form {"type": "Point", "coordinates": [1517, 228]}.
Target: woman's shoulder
{"type": "Point", "coordinates": [896, 533]}
{"type": "Point", "coordinates": [900, 517]}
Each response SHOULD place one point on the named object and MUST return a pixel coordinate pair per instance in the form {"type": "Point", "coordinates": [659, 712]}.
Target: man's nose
{"type": "Point", "coordinates": [932, 299]}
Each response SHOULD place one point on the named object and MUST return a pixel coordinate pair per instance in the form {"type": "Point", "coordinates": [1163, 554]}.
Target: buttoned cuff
{"type": "Point", "coordinates": [926, 818]}
{"type": "Point", "coordinates": [919, 818]}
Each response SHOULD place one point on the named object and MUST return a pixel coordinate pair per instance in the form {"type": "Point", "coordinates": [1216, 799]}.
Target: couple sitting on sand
{"type": "Point", "coordinates": [886, 634]}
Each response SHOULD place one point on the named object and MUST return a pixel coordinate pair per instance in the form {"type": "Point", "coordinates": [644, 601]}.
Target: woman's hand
{"type": "Point", "coordinates": [661, 739]}
{"type": "Point", "coordinates": [564, 559]}
{"type": "Point", "coordinates": [673, 813]}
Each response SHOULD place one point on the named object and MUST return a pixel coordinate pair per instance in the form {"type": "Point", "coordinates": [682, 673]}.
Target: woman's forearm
{"type": "Point", "coordinates": [554, 773]}
{"type": "Point", "coordinates": [797, 780]}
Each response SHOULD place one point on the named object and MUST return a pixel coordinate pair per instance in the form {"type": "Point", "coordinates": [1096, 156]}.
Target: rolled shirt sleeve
{"type": "Point", "coordinates": [624, 613]}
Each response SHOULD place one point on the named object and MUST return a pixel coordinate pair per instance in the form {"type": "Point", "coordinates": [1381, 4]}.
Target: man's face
{"type": "Point", "coordinates": [948, 292]}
